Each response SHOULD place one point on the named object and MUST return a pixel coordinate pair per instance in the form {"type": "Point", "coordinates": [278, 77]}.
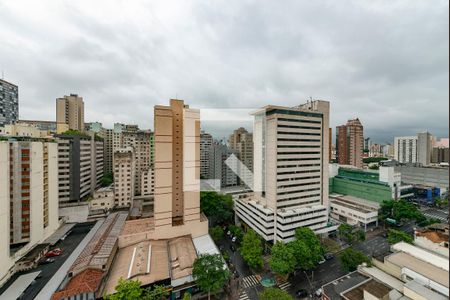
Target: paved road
{"type": "Point", "coordinates": [436, 213]}
{"type": "Point", "coordinates": [47, 271]}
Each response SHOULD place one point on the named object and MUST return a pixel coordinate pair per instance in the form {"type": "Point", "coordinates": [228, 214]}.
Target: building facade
{"type": "Point", "coordinates": [28, 198]}
{"type": "Point", "coordinates": [424, 148]}
{"type": "Point", "coordinates": [241, 141]}
{"type": "Point", "coordinates": [350, 143]}
{"type": "Point", "coordinates": [218, 168]}
{"type": "Point", "coordinates": [80, 167]}
{"type": "Point", "coordinates": [177, 171]}
{"type": "Point", "coordinates": [9, 102]}
{"type": "Point", "coordinates": [405, 149]}
{"type": "Point", "coordinates": [206, 142]}
{"type": "Point", "coordinates": [69, 113]}
{"type": "Point", "coordinates": [124, 176]}
{"type": "Point", "coordinates": [290, 171]}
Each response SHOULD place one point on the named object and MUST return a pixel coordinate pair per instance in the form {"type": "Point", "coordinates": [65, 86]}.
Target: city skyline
{"type": "Point", "coordinates": [125, 64]}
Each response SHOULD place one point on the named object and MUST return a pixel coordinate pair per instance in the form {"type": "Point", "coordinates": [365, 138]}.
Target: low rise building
{"type": "Point", "coordinates": [23, 130]}
{"type": "Point", "coordinates": [86, 278]}
{"type": "Point", "coordinates": [409, 272]}
{"type": "Point", "coordinates": [433, 240]}
{"type": "Point", "coordinates": [103, 199]}
{"type": "Point", "coordinates": [354, 211]}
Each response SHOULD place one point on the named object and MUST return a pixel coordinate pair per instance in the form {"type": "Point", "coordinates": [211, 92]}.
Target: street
{"type": "Point", "coordinates": [376, 246]}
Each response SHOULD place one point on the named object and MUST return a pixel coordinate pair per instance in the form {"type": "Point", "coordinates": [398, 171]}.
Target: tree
{"type": "Point", "coordinates": [400, 210]}
{"type": "Point", "coordinates": [282, 260]}
{"type": "Point", "coordinates": [252, 250]}
{"type": "Point", "coordinates": [395, 236]}
{"type": "Point", "coordinates": [305, 260]}
{"type": "Point", "coordinates": [311, 241]}
{"type": "Point", "coordinates": [157, 292]}
{"type": "Point", "coordinates": [351, 259]}
{"type": "Point", "coordinates": [237, 232]}
{"type": "Point", "coordinates": [216, 233]}
{"type": "Point", "coordinates": [210, 273]}
{"type": "Point", "coordinates": [274, 294]}
{"type": "Point", "coordinates": [368, 160]}
{"type": "Point", "coordinates": [218, 208]}
{"type": "Point", "coordinates": [361, 235]}
{"type": "Point", "coordinates": [186, 296]}
{"type": "Point", "coordinates": [126, 290]}
{"type": "Point", "coordinates": [107, 179]}
{"type": "Point", "coordinates": [345, 232]}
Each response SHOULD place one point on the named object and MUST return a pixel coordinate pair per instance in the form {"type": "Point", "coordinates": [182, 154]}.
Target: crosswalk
{"type": "Point", "coordinates": [249, 281]}
{"type": "Point", "coordinates": [285, 286]}
{"type": "Point", "coordinates": [435, 215]}
{"type": "Point", "coordinates": [243, 296]}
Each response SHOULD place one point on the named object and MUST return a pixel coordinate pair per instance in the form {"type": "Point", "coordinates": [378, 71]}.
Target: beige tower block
{"type": "Point", "coordinates": [177, 172]}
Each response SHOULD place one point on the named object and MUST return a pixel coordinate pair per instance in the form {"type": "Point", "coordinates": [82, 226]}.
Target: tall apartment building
{"type": "Point", "coordinates": [425, 142]}
{"type": "Point", "coordinates": [367, 143]}
{"type": "Point", "coordinates": [218, 169]}
{"type": "Point", "coordinates": [124, 136]}
{"type": "Point", "coordinates": [28, 198]}
{"type": "Point", "coordinates": [405, 149]}
{"type": "Point", "coordinates": [80, 167]}
{"type": "Point", "coordinates": [9, 102]}
{"type": "Point", "coordinates": [290, 171]}
{"type": "Point", "coordinates": [124, 178]}
{"type": "Point", "coordinates": [108, 150]}
{"type": "Point", "coordinates": [350, 143]}
{"type": "Point", "coordinates": [206, 142]}
{"type": "Point", "coordinates": [148, 183]}
{"type": "Point", "coordinates": [241, 141]}
{"type": "Point", "coordinates": [440, 155]}
{"type": "Point", "coordinates": [177, 171]}
{"type": "Point", "coordinates": [69, 113]}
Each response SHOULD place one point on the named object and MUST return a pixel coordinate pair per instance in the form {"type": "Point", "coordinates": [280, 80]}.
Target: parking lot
{"type": "Point", "coordinates": [77, 234]}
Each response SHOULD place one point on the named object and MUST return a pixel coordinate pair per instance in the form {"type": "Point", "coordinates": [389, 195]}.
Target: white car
{"type": "Point", "coordinates": [228, 232]}
{"type": "Point", "coordinates": [233, 239]}
{"type": "Point", "coordinates": [319, 292]}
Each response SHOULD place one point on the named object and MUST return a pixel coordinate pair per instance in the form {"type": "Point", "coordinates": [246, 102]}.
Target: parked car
{"type": "Point", "coordinates": [234, 239]}
{"type": "Point", "coordinates": [319, 292]}
{"type": "Point", "coordinates": [54, 252]}
{"type": "Point", "coordinates": [328, 256]}
{"type": "Point", "coordinates": [46, 261]}
{"type": "Point", "coordinates": [302, 293]}
{"type": "Point", "coordinates": [228, 233]}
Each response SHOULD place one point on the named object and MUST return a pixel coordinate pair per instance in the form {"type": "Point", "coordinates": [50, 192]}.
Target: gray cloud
{"type": "Point", "coordinates": [384, 62]}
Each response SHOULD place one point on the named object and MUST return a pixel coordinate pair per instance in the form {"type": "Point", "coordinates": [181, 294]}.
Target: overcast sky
{"type": "Point", "coordinates": [385, 62]}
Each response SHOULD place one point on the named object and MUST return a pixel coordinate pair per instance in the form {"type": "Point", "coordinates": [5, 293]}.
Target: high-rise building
{"type": "Point", "coordinates": [405, 149]}
{"type": "Point", "coordinates": [9, 102]}
{"type": "Point", "coordinates": [148, 183]}
{"type": "Point", "coordinates": [241, 141]}
{"type": "Point", "coordinates": [69, 113]}
{"type": "Point", "coordinates": [350, 143]}
{"type": "Point", "coordinates": [218, 168]}
{"type": "Point", "coordinates": [80, 167]}
{"type": "Point", "coordinates": [367, 143]}
{"type": "Point", "coordinates": [290, 171]}
{"type": "Point", "coordinates": [206, 142]}
{"type": "Point", "coordinates": [124, 179]}
{"type": "Point", "coordinates": [177, 171]}
{"type": "Point", "coordinates": [28, 198]}
{"type": "Point", "coordinates": [124, 136]}
{"type": "Point", "coordinates": [424, 148]}
{"type": "Point", "coordinates": [108, 151]}
{"type": "Point", "coordinates": [440, 155]}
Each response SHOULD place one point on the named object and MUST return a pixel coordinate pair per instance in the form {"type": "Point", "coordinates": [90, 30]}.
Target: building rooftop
{"type": "Point", "coordinates": [423, 255]}
{"type": "Point", "coordinates": [334, 289]}
{"type": "Point", "coordinates": [87, 281]}
{"type": "Point", "coordinates": [355, 203]}
{"type": "Point", "coordinates": [426, 293]}
{"type": "Point", "coordinates": [100, 248]}
{"type": "Point", "coordinates": [138, 226]}
{"type": "Point", "coordinates": [371, 286]}
{"type": "Point", "coordinates": [404, 260]}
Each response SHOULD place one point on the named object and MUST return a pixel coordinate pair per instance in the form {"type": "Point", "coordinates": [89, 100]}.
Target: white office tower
{"type": "Point", "coordinates": [290, 171]}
